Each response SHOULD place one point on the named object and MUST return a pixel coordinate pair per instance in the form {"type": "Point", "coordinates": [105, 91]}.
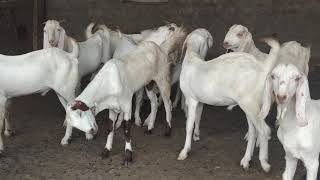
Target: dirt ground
{"type": "Point", "coordinates": [35, 151]}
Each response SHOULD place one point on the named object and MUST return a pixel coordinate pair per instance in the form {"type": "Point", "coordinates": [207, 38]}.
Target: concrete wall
{"type": "Point", "coordinates": [291, 19]}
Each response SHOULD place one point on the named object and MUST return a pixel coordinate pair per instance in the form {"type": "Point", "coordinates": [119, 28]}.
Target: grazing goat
{"type": "Point", "coordinates": [121, 44]}
{"type": "Point", "coordinates": [234, 78]}
{"type": "Point", "coordinates": [38, 72]}
{"type": "Point", "coordinates": [299, 126]}
{"type": "Point", "coordinates": [117, 81]}
{"type": "Point", "coordinates": [239, 39]}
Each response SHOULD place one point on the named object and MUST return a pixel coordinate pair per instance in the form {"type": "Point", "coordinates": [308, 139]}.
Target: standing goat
{"type": "Point", "coordinates": [121, 44]}
{"type": "Point", "coordinates": [234, 78]}
{"type": "Point", "coordinates": [38, 72]}
{"type": "Point", "coordinates": [299, 127]}
{"type": "Point", "coordinates": [117, 81]}
{"type": "Point", "coordinates": [152, 93]}
{"type": "Point", "coordinates": [94, 51]}
{"type": "Point", "coordinates": [239, 39]}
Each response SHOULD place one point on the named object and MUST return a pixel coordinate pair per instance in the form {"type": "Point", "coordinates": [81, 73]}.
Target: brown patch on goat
{"type": "Point", "coordinates": [151, 85]}
{"type": "Point", "coordinates": [80, 105]}
{"type": "Point", "coordinates": [126, 129]}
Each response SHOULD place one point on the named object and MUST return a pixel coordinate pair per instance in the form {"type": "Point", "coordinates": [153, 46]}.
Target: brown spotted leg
{"type": "Point", "coordinates": [110, 132]}
{"type": "Point", "coordinates": [128, 148]}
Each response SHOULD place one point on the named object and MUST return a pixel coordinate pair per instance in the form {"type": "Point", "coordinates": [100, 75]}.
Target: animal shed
{"type": "Point", "coordinates": [34, 152]}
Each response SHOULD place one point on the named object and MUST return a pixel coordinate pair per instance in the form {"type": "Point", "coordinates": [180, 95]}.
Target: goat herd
{"type": "Point", "coordinates": [150, 62]}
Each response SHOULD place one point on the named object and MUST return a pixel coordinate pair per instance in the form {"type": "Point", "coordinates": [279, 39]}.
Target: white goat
{"type": "Point", "coordinates": [239, 39]}
{"type": "Point", "coordinates": [117, 81]}
{"type": "Point", "coordinates": [93, 51]}
{"type": "Point", "coordinates": [175, 74]}
{"type": "Point", "coordinates": [122, 44]}
{"type": "Point", "coordinates": [299, 128]}
{"type": "Point", "coordinates": [234, 78]}
{"type": "Point", "coordinates": [38, 72]}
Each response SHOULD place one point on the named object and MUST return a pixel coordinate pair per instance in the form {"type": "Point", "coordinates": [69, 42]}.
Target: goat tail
{"type": "Point", "coordinates": [101, 27]}
{"type": "Point", "coordinates": [183, 50]}
{"type": "Point", "coordinates": [89, 28]}
{"type": "Point", "coordinates": [273, 54]}
{"type": "Point", "coordinates": [75, 48]}
{"type": "Point", "coordinates": [307, 59]}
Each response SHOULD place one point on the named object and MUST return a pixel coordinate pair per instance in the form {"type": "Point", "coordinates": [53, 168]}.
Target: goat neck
{"type": "Point", "coordinates": [252, 49]}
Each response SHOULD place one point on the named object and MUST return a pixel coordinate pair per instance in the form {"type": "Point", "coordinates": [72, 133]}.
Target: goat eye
{"type": "Point", "coordinates": [240, 34]}
{"type": "Point", "coordinates": [171, 28]}
{"type": "Point", "coordinates": [297, 79]}
{"type": "Point", "coordinates": [59, 30]}
{"type": "Point", "coordinates": [272, 76]}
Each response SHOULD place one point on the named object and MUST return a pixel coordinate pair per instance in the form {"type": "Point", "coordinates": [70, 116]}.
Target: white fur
{"type": "Point", "coordinates": [299, 127]}
{"type": "Point", "coordinates": [117, 81]}
{"type": "Point", "coordinates": [93, 51]}
{"type": "Point", "coordinates": [210, 82]}
{"type": "Point", "coordinates": [239, 39]}
{"type": "Point", "coordinates": [174, 76]}
{"type": "Point", "coordinates": [38, 72]}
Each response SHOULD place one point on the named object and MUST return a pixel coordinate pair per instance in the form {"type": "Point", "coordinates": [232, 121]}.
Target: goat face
{"type": "Point", "coordinates": [285, 81]}
{"type": "Point", "coordinates": [237, 38]}
{"type": "Point", "coordinates": [53, 33]}
{"type": "Point", "coordinates": [161, 34]}
{"type": "Point", "coordinates": [81, 117]}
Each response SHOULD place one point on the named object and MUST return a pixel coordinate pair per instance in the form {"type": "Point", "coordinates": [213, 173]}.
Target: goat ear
{"type": "Point", "coordinates": [266, 98]}
{"type": "Point", "coordinates": [61, 39]}
{"type": "Point", "coordinates": [302, 94]}
{"type": "Point", "coordinates": [209, 40]}
{"type": "Point", "coordinates": [45, 41]}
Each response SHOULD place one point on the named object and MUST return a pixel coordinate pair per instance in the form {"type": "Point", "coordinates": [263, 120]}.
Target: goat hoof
{"type": "Point", "coordinates": [89, 136]}
{"type": "Point", "coordinates": [8, 133]}
{"type": "Point", "coordinates": [245, 164]}
{"type": "Point", "coordinates": [149, 132]}
{"type": "Point", "coordinates": [127, 157]}
{"type": "Point", "coordinates": [168, 131]}
{"type": "Point", "coordinates": [65, 142]}
{"type": "Point", "coordinates": [196, 137]}
{"type": "Point", "coordinates": [265, 166]}
{"type": "Point", "coordinates": [105, 153]}
{"type": "Point", "coordinates": [138, 122]}
{"type": "Point", "coordinates": [183, 155]}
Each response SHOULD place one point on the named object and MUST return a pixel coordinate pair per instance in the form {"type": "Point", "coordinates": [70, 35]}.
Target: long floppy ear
{"type": "Point", "coordinates": [247, 38]}
{"type": "Point", "coordinates": [45, 41]}
{"type": "Point", "coordinates": [61, 39]}
{"type": "Point", "coordinates": [302, 94]}
{"type": "Point", "coordinates": [266, 98]}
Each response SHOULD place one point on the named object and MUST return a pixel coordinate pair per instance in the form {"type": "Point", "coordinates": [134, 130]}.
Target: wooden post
{"type": "Point", "coordinates": [35, 25]}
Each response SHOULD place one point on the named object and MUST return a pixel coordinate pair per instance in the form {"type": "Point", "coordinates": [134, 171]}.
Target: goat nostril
{"type": "Point", "coordinates": [281, 98]}
{"type": "Point", "coordinates": [225, 44]}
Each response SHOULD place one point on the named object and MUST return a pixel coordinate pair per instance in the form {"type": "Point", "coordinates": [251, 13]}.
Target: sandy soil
{"type": "Point", "coordinates": [35, 151]}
